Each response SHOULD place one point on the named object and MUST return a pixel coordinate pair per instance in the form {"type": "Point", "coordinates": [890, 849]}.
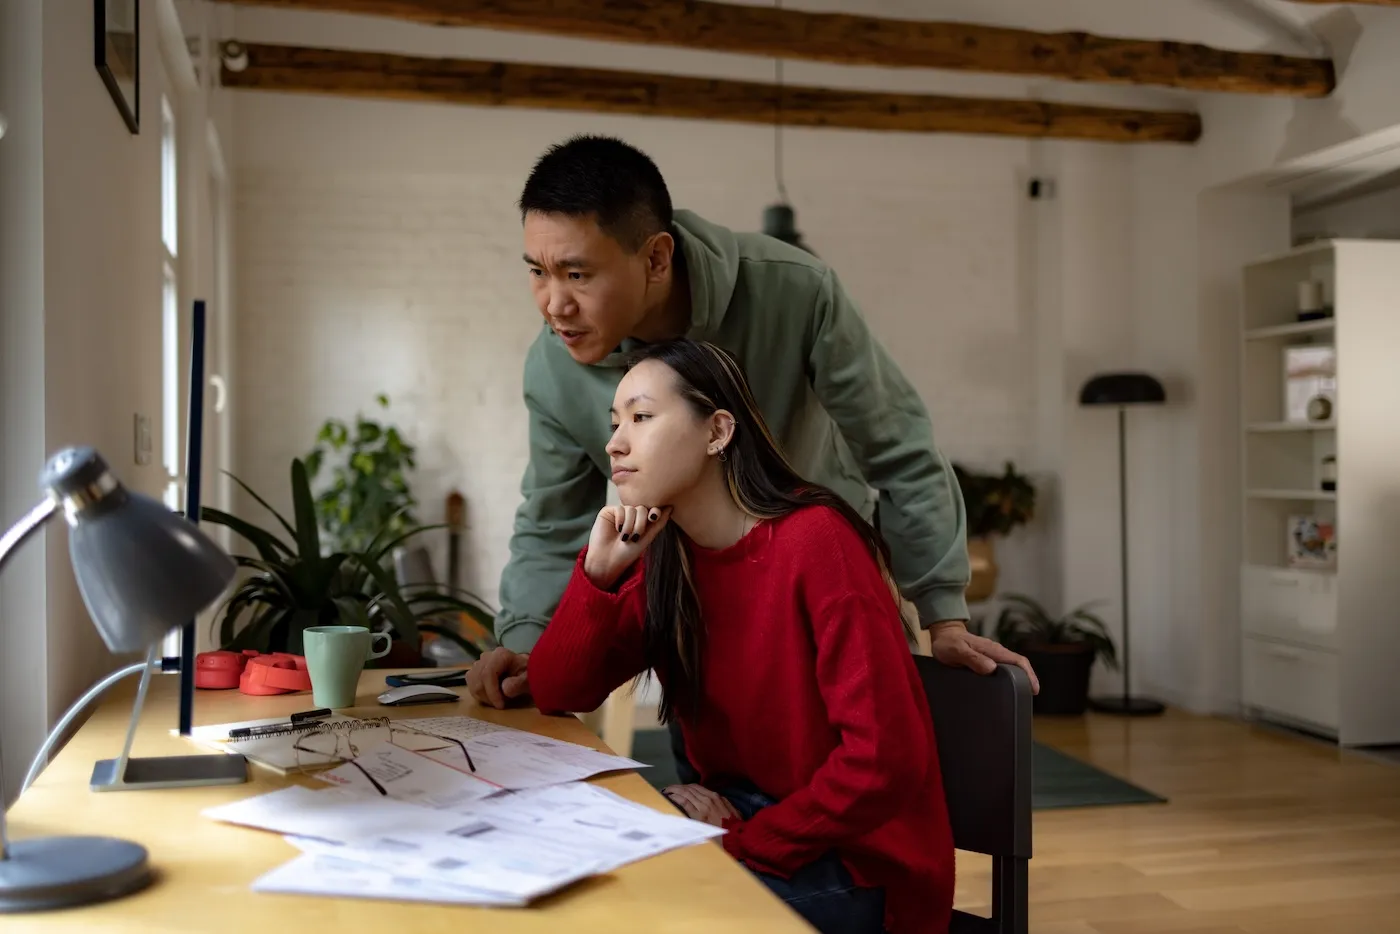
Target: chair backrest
{"type": "Point", "coordinates": [983, 727]}
{"type": "Point", "coordinates": [413, 566]}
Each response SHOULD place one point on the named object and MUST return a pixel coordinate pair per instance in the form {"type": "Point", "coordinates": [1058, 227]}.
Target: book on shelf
{"type": "Point", "coordinates": [1312, 543]}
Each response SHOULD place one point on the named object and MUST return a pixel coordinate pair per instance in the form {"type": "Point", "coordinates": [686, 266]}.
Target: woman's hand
{"type": "Point", "coordinates": [620, 536]}
{"type": "Point", "coordinates": [702, 804]}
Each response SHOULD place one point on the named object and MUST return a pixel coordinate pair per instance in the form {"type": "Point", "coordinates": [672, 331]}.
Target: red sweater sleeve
{"type": "Point", "coordinates": [883, 753]}
{"type": "Point", "coordinates": [593, 643]}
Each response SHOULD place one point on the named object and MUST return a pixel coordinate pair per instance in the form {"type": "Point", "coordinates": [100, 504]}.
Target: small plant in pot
{"type": "Point", "coordinates": [1061, 649]}
{"type": "Point", "coordinates": [996, 504]}
{"type": "Point", "coordinates": [291, 585]}
{"type": "Point", "coordinates": [365, 489]}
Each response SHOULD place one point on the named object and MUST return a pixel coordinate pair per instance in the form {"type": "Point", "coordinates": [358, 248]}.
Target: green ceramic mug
{"type": "Point", "coordinates": [335, 656]}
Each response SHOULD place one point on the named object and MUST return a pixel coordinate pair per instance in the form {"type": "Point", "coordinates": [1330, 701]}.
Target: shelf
{"type": "Point", "coordinates": [1315, 251]}
{"type": "Point", "coordinates": [1291, 330]}
{"type": "Point", "coordinates": [1289, 569]}
{"type": "Point", "coordinates": [1318, 495]}
{"type": "Point", "coordinates": [1291, 426]}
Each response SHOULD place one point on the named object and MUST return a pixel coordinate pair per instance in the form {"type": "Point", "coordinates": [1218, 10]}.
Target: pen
{"type": "Point", "coordinates": [305, 718]}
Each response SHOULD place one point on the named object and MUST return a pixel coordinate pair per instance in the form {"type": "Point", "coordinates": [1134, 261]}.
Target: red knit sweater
{"type": "Point", "coordinates": [809, 692]}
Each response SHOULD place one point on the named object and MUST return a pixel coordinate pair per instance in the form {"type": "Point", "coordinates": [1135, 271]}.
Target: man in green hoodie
{"type": "Point", "coordinates": [611, 264]}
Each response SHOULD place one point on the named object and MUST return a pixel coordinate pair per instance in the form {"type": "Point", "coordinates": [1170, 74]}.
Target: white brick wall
{"type": "Point", "coordinates": [361, 272]}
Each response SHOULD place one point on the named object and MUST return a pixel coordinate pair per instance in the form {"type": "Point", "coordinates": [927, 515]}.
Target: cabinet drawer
{"type": "Point", "coordinates": [1292, 680]}
{"type": "Point", "coordinates": [1295, 606]}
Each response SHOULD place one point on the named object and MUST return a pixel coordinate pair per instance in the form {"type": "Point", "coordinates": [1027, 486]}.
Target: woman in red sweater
{"type": "Point", "coordinates": [763, 605]}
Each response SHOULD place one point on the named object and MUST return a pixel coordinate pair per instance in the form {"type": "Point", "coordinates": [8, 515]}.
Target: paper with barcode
{"type": "Point", "coordinates": [524, 843]}
{"type": "Point", "coordinates": [517, 760]}
{"type": "Point", "coordinates": [334, 876]}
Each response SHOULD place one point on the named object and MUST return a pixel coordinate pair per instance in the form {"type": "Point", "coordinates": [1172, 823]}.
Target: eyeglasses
{"type": "Point", "coordinates": [332, 744]}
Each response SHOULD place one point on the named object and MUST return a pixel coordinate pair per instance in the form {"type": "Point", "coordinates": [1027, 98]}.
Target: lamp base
{"type": "Point", "coordinates": [1128, 706]}
{"type": "Point", "coordinates": [62, 872]}
{"type": "Point", "coordinates": [169, 772]}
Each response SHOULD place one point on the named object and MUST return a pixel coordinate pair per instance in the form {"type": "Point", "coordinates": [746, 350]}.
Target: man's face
{"type": "Point", "coordinates": [590, 289]}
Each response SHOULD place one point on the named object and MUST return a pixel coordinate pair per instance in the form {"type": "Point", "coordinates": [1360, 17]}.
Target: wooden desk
{"type": "Point", "coordinates": [205, 868]}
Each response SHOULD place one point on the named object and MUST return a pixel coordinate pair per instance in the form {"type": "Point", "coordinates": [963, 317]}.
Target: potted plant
{"type": "Point", "coordinates": [995, 504]}
{"type": "Point", "coordinates": [367, 491]}
{"type": "Point", "coordinates": [1061, 650]}
{"type": "Point", "coordinates": [292, 584]}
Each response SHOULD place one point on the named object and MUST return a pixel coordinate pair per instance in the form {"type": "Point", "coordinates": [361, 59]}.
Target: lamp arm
{"type": "Point", "coordinates": [78, 706]}
{"type": "Point", "coordinates": [25, 527]}
{"type": "Point", "coordinates": [17, 533]}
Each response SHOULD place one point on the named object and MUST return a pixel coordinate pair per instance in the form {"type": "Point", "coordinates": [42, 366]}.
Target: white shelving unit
{"type": "Point", "coordinates": [1320, 644]}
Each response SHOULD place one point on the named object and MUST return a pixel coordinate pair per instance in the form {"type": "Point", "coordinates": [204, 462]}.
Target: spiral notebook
{"type": "Point", "coordinates": [339, 736]}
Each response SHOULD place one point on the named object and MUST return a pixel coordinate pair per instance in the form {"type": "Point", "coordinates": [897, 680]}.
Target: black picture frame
{"type": "Point", "coordinates": [117, 54]}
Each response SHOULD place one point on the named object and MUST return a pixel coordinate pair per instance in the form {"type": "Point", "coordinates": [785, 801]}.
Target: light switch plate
{"type": "Point", "coordinates": [142, 440]}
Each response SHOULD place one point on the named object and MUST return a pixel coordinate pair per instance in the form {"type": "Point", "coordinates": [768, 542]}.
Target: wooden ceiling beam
{"type": "Point", "coordinates": [509, 84]}
{"type": "Point", "coordinates": [865, 40]}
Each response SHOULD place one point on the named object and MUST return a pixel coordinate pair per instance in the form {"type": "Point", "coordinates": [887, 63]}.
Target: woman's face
{"type": "Point", "coordinates": [660, 447]}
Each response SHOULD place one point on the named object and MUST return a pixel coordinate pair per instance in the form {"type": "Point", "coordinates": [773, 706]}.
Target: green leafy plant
{"type": "Point", "coordinates": [368, 491]}
{"type": "Point", "coordinates": [995, 503]}
{"type": "Point", "coordinates": [291, 584]}
{"type": "Point", "coordinates": [1025, 624]}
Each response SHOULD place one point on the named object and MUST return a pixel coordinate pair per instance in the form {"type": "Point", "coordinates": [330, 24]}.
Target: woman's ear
{"type": "Point", "coordinates": [721, 430]}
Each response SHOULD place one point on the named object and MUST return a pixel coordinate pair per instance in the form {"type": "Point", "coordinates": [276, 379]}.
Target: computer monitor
{"type": "Point", "coordinates": [194, 462]}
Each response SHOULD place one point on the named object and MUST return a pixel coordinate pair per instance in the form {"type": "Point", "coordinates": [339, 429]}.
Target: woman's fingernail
{"type": "Point", "coordinates": [654, 515]}
{"type": "Point", "coordinates": [636, 536]}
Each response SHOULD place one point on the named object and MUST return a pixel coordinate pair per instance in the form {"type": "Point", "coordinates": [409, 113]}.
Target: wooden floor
{"type": "Point", "coordinates": [1264, 833]}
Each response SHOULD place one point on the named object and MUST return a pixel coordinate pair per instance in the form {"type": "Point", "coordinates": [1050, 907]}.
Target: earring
{"type": "Point", "coordinates": [723, 454]}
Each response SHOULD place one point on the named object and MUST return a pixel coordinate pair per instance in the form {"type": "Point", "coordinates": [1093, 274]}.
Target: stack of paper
{"type": "Point", "coordinates": [520, 827]}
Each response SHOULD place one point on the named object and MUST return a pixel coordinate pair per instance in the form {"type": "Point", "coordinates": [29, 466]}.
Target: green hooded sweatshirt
{"type": "Point", "coordinates": [845, 415]}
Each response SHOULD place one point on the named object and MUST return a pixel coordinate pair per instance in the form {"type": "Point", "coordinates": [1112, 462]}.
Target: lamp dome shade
{"type": "Point", "coordinates": [141, 568]}
{"type": "Point", "coordinates": [780, 222]}
{"type": "Point", "coordinates": [1122, 389]}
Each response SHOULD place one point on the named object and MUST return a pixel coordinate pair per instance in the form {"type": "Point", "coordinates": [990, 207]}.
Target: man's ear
{"type": "Point", "coordinates": [721, 429]}
{"type": "Point", "coordinates": [659, 250]}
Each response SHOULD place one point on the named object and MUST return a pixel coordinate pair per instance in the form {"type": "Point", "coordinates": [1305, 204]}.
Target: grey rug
{"type": "Point", "coordinates": [1058, 780]}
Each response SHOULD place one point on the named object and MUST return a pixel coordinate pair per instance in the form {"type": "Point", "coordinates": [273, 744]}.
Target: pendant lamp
{"type": "Point", "coordinates": [780, 220]}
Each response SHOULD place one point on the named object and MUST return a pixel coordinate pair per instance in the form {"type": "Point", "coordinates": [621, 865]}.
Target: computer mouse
{"type": "Point", "coordinates": [417, 694]}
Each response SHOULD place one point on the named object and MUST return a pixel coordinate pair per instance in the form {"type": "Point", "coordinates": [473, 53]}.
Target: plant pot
{"type": "Point", "coordinates": [1063, 672]}
{"type": "Point", "coordinates": [982, 560]}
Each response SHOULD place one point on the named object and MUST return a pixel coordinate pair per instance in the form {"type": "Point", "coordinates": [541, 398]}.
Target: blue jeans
{"type": "Point", "coordinates": [822, 891]}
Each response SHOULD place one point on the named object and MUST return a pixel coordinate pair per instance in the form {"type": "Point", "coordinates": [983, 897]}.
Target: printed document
{"type": "Point", "coordinates": [517, 760]}
{"type": "Point", "coordinates": [328, 874]}
{"type": "Point", "coordinates": [414, 777]}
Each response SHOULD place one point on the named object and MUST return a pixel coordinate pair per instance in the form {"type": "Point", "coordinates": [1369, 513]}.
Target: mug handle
{"type": "Point", "coordinates": [388, 643]}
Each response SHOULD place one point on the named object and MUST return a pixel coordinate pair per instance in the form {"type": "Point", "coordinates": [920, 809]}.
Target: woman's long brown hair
{"type": "Point", "coordinates": [763, 484]}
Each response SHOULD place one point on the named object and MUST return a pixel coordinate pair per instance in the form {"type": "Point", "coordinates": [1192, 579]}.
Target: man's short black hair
{"type": "Point", "coordinates": [604, 177]}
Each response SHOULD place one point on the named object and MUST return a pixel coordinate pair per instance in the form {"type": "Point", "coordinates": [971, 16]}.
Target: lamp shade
{"type": "Point", "coordinates": [780, 222]}
{"type": "Point", "coordinates": [1122, 389]}
{"type": "Point", "coordinates": [141, 568]}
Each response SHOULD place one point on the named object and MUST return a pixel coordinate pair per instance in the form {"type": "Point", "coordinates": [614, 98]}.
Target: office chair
{"type": "Point", "coordinates": [983, 728]}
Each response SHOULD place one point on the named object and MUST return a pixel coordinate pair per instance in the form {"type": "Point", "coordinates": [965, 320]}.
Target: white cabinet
{"type": "Point", "coordinates": [1290, 605]}
{"type": "Point", "coordinates": [1320, 490]}
{"type": "Point", "coordinates": [1293, 682]}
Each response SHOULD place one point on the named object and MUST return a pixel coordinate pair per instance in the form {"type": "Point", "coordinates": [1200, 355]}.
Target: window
{"type": "Point", "coordinates": [170, 307]}
{"type": "Point", "coordinates": [170, 382]}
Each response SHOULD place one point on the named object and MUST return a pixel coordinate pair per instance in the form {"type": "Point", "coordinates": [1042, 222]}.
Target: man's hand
{"type": "Point", "coordinates": [953, 645]}
{"type": "Point", "coordinates": [700, 803]}
{"type": "Point", "coordinates": [499, 677]}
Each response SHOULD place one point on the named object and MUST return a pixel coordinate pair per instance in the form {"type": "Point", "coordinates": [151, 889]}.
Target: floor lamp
{"type": "Point", "coordinates": [1122, 390]}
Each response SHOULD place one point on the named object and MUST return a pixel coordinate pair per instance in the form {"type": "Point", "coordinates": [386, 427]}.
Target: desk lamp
{"type": "Point", "coordinates": [142, 570]}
